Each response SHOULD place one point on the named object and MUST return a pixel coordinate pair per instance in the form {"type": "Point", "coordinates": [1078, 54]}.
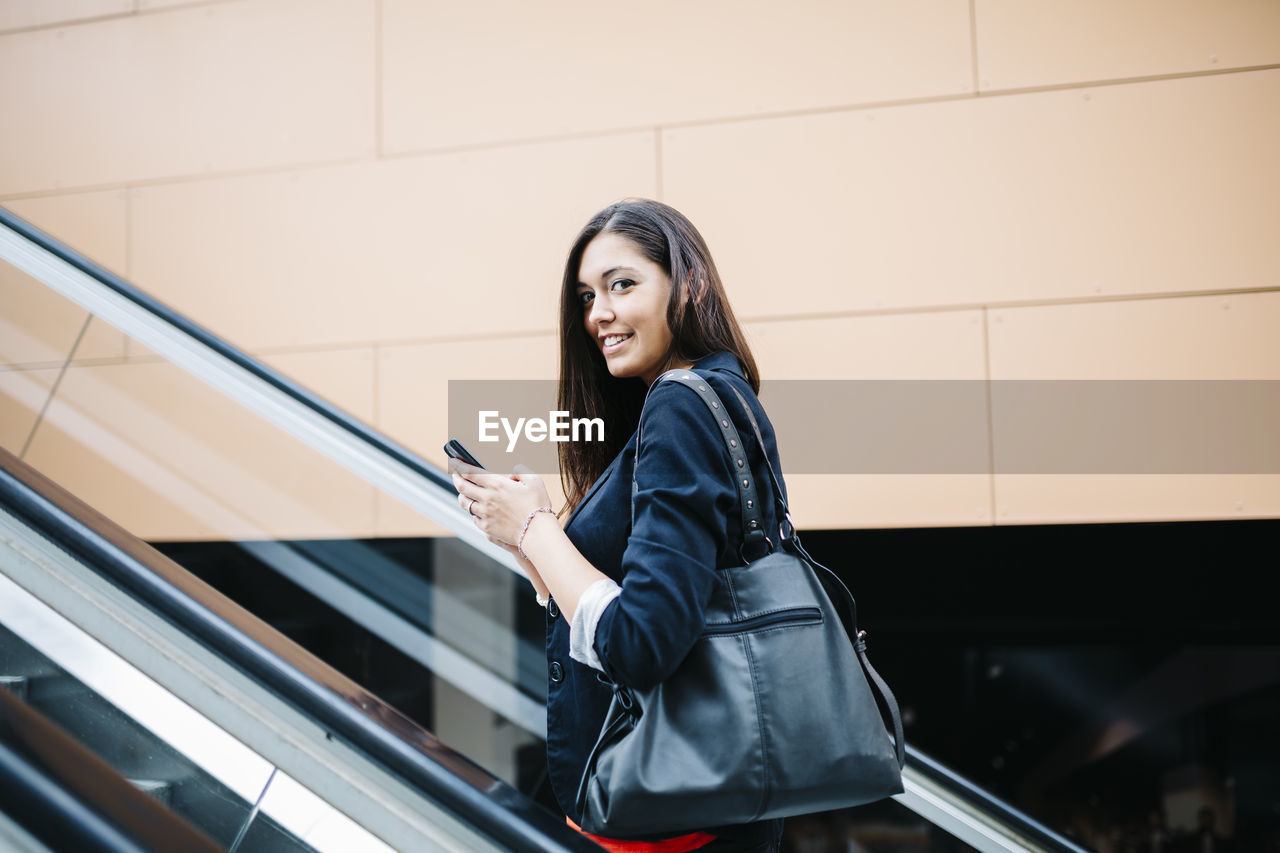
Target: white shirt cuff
{"type": "Point", "coordinates": [582, 630]}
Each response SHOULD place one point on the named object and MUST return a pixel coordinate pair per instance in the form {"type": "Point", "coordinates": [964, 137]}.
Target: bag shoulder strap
{"type": "Point", "coordinates": [753, 532]}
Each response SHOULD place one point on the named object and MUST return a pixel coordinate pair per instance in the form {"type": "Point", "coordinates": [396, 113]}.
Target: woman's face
{"type": "Point", "coordinates": [624, 306]}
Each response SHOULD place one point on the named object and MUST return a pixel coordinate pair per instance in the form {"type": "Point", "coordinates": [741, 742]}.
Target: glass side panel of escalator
{"type": "Point", "coordinates": [338, 564]}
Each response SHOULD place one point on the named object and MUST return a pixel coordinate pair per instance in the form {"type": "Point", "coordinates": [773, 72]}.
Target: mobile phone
{"type": "Point", "coordinates": [455, 450]}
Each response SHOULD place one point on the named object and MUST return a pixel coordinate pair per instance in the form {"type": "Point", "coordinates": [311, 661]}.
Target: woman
{"type": "Point", "coordinates": [641, 295]}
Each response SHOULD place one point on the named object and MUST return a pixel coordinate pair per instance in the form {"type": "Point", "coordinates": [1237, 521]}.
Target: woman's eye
{"type": "Point", "coordinates": [585, 296]}
{"type": "Point", "coordinates": [622, 284]}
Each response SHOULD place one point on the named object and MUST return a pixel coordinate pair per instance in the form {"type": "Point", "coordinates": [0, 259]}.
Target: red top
{"type": "Point", "coordinates": [679, 844]}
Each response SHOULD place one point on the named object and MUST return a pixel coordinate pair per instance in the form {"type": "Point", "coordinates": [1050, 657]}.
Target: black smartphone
{"type": "Point", "coordinates": [455, 450]}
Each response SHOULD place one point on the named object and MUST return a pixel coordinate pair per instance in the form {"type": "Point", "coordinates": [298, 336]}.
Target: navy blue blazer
{"type": "Point", "coordinates": [687, 525]}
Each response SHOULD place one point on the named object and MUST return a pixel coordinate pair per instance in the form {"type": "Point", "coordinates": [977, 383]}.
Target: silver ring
{"type": "Point", "coordinates": [469, 506]}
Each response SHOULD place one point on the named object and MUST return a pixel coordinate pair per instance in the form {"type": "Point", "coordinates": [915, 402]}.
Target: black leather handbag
{"type": "Point", "coordinates": [774, 711]}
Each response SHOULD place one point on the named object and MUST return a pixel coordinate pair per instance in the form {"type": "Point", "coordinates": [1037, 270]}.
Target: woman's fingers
{"type": "Point", "coordinates": [466, 488]}
{"type": "Point", "coordinates": [472, 474]}
{"type": "Point", "coordinates": [526, 477]}
{"type": "Point", "coordinates": [476, 485]}
{"type": "Point", "coordinates": [498, 503]}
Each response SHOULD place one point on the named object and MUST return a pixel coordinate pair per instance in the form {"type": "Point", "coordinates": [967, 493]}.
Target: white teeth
{"type": "Point", "coordinates": [613, 339]}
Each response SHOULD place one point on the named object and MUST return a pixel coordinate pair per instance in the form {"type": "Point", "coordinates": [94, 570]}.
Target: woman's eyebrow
{"type": "Point", "coordinates": [610, 272]}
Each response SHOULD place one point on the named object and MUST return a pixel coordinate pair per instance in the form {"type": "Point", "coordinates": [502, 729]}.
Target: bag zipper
{"type": "Point", "coordinates": [793, 616]}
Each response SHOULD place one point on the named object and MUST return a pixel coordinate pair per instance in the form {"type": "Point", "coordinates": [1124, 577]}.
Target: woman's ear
{"type": "Point", "coordinates": [695, 289]}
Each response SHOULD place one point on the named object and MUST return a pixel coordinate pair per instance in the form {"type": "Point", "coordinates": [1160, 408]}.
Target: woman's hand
{"type": "Point", "coordinates": [498, 504]}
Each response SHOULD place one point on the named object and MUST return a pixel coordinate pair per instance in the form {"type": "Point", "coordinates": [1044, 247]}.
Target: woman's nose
{"type": "Point", "coordinates": [601, 312]}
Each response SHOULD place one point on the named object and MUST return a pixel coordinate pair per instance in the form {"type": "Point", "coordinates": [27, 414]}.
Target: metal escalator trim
{"type": "Point", "coordinates": [15, 839]}
{"type": "Point", "coordinates": [972, 813]}
{"type": "Point", "coordinates": [67, 797]}
{"type": "Point", "coordinates": [928, 800]}
{"type": "Point", "coordinates": [140, 698]}
{"type": "Point", "coordinates": [279, 665]}
{"type": "Point", "coordinates": [281, 402]}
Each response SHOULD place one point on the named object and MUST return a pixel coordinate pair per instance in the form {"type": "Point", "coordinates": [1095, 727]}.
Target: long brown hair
{"type": "Point", "coordinates": [698, 315]}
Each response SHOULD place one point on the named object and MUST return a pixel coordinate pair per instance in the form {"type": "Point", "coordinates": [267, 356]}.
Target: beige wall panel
{"type": "Point", "coordinates": [201, 89]}
{"type": "Point", "coordinates": [344, 378]}
{"type": "Point", "coordinates": [413, 398]}
{"type": "Point", "coordinates": [1232, 336]}
{"type": "Point", "coordinates": [17, 14]}
{"type": "Point", "coordinates": [1035, 44]}
{"type": "Point", "coordinates": [169, 458]}
{"type": "Point", "coordinates": [1200, 338]}
{"type": "Point", "coordinates": [927, 345]}
{"type": "Point", "coordinates": [22, 395]}
{"type": "Point", "coordinates": [93, 224]}
{"type": "Point", "coordinates": [1070, 499]}
{"type": "Point", "coordinates": [478, 74]}
{"type": "Point", "coordinates": [469, 243]}
{"type": "Point", "coordinates": [851, 501]}
{"type": "Point", "coordinates": [1152, 187]}
{"type": "Point", "coordinates": [934, 345]}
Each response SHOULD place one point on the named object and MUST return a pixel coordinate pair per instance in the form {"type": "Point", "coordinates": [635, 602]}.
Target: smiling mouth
{"type": "Point", "coordinates": [613, 342]}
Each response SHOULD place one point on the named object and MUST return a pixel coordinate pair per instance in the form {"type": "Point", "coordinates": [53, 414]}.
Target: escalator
{"type": "Point", "coordinates": [354, 668]}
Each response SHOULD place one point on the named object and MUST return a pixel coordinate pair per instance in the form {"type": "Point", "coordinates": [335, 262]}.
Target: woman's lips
{"type": "Point", "coordinates": [610, 349]}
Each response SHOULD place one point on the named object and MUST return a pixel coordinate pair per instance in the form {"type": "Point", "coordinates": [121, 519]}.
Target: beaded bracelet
{"type": "Point", "coordinates": [523, 530]}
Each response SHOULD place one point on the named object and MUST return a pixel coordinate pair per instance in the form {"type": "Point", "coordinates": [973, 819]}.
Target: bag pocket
{"type": "Point", "coordinates": [765, 621]}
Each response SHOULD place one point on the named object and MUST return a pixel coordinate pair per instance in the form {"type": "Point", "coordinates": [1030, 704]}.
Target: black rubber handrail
{"type": "Point", "coordinates": [337, 704]}
{"type": "Point", "coordinates": [68, 798]}
{"type": "Point", "coordinates": [273, 378]}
